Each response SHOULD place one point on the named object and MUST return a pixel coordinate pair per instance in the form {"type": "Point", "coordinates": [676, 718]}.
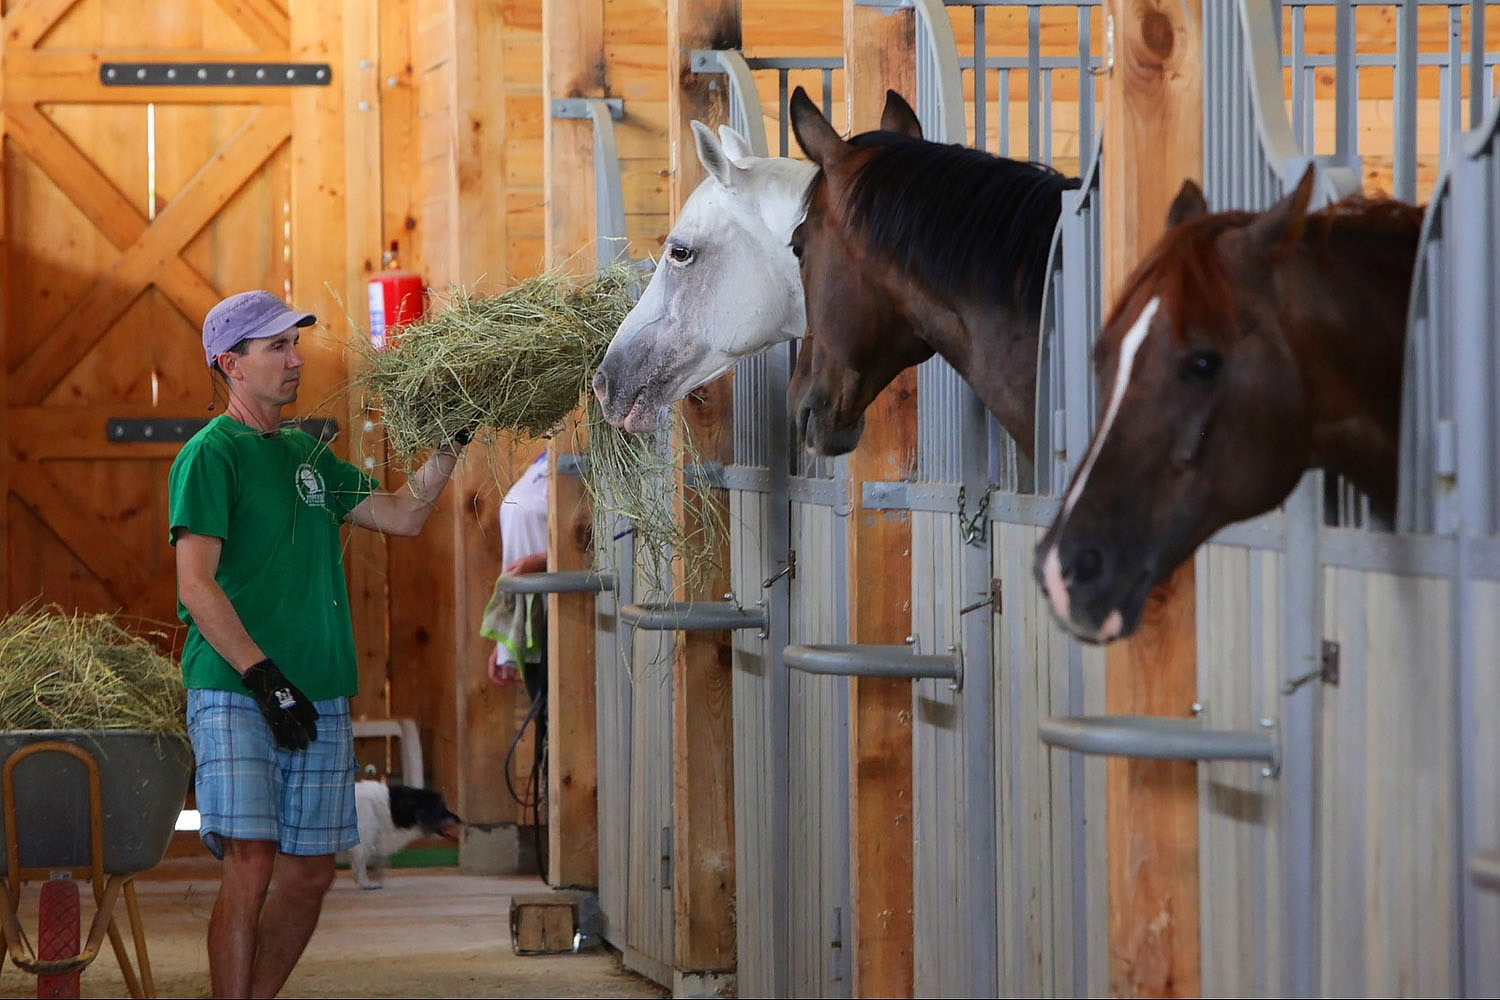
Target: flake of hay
{"type": "Point", "coordinates": [519, 361]}
{"type": "Point", "coordinates": [61, 670]}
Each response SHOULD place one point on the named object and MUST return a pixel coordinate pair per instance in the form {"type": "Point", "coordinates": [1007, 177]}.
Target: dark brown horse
{"type": "Point", "coordinates": [1245, 349]}
{"type": "Point", "coordinates": [910, 248]}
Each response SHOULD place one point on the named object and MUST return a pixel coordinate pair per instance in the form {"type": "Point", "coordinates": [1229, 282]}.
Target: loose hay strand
{"type": "Point", "coordinates": [85, 672]}
{"type": "Point", "coordinates": [634, 478]}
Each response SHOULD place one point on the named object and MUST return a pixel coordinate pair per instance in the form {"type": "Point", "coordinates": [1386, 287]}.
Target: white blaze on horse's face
{"type": "Point", "coordinates": [727, 285]}
{"type": "Point", "coordinates": [1052, 573]}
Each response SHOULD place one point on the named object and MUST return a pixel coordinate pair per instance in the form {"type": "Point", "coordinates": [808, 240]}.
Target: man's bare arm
{"type": "Point", "coordinates": [205, 600]}
{"type": "Point", "coordinates": [405, 511]}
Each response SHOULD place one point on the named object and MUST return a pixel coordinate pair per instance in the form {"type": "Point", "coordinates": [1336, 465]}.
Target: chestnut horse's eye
{"type": "Point", "coordinates": [1200, 366]}
{"type": "Point", "coordinates": [680, 253]}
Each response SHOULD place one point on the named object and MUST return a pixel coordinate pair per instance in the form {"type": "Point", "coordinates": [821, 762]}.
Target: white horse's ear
{"type": "Point", "coordinates": [712, 155]}
{"type": "Point", "coordinates": [736, 146]}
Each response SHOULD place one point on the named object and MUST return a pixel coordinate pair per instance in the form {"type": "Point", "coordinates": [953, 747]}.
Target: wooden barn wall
{"type": "Point", "coordinates": [128, 213]}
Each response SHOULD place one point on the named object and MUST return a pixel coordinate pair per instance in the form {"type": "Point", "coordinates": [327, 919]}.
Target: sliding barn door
{"type": "Point", "coordinates": [141, 183]}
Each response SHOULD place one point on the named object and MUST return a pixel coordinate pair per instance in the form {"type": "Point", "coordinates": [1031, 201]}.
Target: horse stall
{"type": "Point", "coordinates": [897, 826]}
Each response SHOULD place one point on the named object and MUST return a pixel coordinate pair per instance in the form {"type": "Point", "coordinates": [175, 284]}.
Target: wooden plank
{"type": "Point", "coordinates": [703, 882]}
{"type": "Point", "coordinates": [26, 23]}
{"type": "Point", "coordinates": [478, 125]}
{"type": "Point", "coordinates": [572, 32]}
{"type": "Point", "coordinates": [879, 55]}
{"type": "Point", "coordinates": [102, 203]}
{"type": "Point", "coordinates": [365, 554]}
{"type": "Point", "coordinates": [262, 20]}
{"type": "Point", "coordinates": [90, 318]}
{"type": "Point", "coordinates": [1153, 139]}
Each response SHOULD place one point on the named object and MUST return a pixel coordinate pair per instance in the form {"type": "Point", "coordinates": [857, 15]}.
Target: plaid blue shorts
{"type": "Point", "coordinates": [248, 788]}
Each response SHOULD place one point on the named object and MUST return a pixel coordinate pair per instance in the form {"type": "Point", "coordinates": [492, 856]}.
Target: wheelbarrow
{"type": "Point", "coordinates": [98, 805]}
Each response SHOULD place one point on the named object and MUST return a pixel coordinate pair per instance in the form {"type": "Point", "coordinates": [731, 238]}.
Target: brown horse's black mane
{"type": "Point", "coordinates": [1185, 269]}
{"type": "Point", "coordinates": [964, 222]}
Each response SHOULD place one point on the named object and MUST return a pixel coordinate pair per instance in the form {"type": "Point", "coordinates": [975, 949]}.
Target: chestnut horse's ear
{"type": "Point", "coordinates": [816, 137]}
{"type": "Point", "coordinates": [1188, 205]}
{"type": "Point", "coordinates": [1280, 227]}
{"type": "Point", "coordinates": [899, 117]}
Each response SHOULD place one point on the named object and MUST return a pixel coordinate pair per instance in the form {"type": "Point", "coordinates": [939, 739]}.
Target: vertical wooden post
{"type": "Point", "coordinates": [879, 54]}
{"type": "Point", "coordinates": [365, 557]}
{"type": "Point", "coordinates": [1153, 139]}
{"type": "Point", "coordinates": [482, 709]}
{"type": "Point", "coordinates": [703, 868]}
{"type": "Point", "coordinates": [573, 66]}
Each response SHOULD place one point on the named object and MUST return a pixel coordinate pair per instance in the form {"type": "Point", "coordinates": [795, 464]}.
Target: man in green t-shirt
{"type": "Point", "coordinates": [255, 512]}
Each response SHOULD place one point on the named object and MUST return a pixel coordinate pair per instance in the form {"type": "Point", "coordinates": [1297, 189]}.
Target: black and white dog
{"type": "Point", "coordinates": [390, 817]}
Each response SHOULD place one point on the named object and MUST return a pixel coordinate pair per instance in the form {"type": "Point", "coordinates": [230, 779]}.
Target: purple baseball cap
{"type": "Point", "coordinates": [248, 315]}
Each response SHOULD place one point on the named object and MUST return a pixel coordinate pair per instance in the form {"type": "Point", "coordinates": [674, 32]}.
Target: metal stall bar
{"type": "Point", "coordinates": [1161, 739]}
{"type": "Point", "coordinates": [563, 582]}
{"type": "Point", "coordinates": [875, 661]}
{"type": "Point", "coordinates": [950, 413]}
{"type": "Point", "coordinates": [691, 616]}
{"type": "Point", "coordinates": [1474, 377]}
{"type": "Point", "coordinates": [940, 95]}
{"type": "Point", "coordinates": [611, 244]}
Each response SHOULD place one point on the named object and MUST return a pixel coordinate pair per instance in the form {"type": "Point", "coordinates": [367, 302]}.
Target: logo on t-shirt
{"type": "Point", "coordinates": [310, 485]}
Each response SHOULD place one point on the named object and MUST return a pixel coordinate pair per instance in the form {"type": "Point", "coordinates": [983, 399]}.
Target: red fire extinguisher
{"type": "Point", "coordinates": [397, 297]}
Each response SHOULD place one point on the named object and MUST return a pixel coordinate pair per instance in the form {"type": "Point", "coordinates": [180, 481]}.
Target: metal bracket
{"type": "Point", "coordinates": [201, 74]}
{"type": "Point", "coordinates": [789, 569]}
{"type": "Point", "coordinates": [992, 601]}
{"type": "Point", "coordinates": [175, 430]}
{"type": "Point", "coordinates": [578, 107]}
{"type": "Point", "coordinates": [704, 475]}
{"type": "Point", "coordinates": [884, 496]}
{"type": "Point", "coordinates": [1327, 672]}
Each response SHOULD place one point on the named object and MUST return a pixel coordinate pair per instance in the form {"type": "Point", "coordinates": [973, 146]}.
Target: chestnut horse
{"type": "Point", "coordinates": [1245, 349]}
{"type": "Point", "coordinates": [910, 248]}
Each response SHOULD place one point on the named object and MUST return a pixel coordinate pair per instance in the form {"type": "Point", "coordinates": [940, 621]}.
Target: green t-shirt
{"type": "Point", "coordinates": [278, 502]}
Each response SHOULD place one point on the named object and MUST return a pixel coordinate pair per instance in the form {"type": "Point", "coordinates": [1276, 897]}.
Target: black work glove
{"type": "Point", "coordinates": [289, 712]}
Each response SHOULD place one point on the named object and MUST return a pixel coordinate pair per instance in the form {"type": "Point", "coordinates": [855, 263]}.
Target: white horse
{"type": "Point", "coordinates": [727, 284]}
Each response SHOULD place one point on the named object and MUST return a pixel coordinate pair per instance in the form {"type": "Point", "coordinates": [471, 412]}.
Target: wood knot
{"type": "Point", "coordinates": [1158, 34]}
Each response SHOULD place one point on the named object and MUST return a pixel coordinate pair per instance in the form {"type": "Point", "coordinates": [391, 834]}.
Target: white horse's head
{"type": "Point", "coordinates": [727, 284]}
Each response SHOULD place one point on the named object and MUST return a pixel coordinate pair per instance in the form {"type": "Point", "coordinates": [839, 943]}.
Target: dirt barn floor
{"type": "Point", "coordinates": [430, 932]}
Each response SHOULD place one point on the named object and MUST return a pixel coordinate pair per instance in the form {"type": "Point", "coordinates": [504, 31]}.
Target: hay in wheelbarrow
{"type": "Point", "coordinates": [75, 671]}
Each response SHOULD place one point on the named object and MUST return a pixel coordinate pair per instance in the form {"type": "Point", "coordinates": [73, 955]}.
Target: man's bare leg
{"type": "Point", "coordinates": [288, 918]}
{"type": "Point", "coordinates": [236, 914]}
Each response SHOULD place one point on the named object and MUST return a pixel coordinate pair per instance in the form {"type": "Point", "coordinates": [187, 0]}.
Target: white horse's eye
{"type": "Point", "coordinates": [680, 253]}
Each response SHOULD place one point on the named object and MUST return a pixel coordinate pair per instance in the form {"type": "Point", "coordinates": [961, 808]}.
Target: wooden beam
{"type": "Point", "coordinates": [1152, 141]}
{"type": "Point", "coordinates": [479, 110]}
{"type": "Point", "coordinates": [365, 556]}
{"type": "Point", "coordinates": [703, 865]}
{"type": "Point", "coordinates": [573, 66]}
{"type": "Point", "coordinates": [879, 54]}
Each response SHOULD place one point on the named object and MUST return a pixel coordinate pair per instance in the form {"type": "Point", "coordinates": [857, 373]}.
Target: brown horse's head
{"type": "Point", "coordinates": [1245, 349]}
{"type": "Point", "coordinates": [857, 340]}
